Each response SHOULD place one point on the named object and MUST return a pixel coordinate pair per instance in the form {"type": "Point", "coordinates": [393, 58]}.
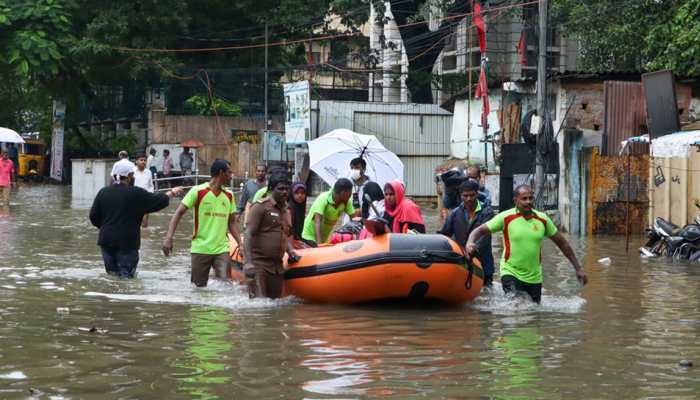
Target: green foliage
{"type": "Point", "coordinates": [38, 32]}
{"type": "Point", "coordinates": [203, 105]}
{"type": "Point", "coordinates": [676, 45]}
{"type": "Point", "coordinates": [123, 142]}
{"type": "Point", "coordinates": [637, 35]}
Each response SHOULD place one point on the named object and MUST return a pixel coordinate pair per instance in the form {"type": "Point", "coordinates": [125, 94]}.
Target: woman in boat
{"type": "Point", "coordinates": [401, 213]}
{"type": "Point", "coordinates": [297, 208]}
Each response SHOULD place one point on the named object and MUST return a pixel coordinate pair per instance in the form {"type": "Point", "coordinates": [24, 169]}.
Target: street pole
{"type": "Point", "coordinates": [469, 84]}
{"type": "Point", "coordinates": [541, 97]}
{"type": "Point", "coordinates": [266, 42]}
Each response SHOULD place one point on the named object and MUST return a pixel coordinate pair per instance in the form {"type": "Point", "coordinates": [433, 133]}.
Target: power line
{"type": "Point", "coordinates": [300, 41]}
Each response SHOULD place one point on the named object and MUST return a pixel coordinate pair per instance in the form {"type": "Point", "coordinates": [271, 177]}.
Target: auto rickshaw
{"type": "Point", "coordinates": [32, 159]}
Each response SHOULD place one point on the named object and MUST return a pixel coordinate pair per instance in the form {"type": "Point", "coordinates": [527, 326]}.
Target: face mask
{"type": "Point", "coordinates": [355, 174]}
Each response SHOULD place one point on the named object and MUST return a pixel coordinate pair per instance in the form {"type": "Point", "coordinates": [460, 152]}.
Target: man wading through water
{"type": "Point", "coordinates": [118, 211]}
{"type": "Point", "coordinates": [214, 217]}
{"type": "Point", "coordinates": [523, 230]}
{"type": "Point", "coordinates": [268, 237]}
{"type": "Point", "coordinates": [466, 218]}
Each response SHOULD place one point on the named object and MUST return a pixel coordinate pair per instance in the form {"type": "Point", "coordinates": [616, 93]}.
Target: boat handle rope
{"type": "Point", "coordinates": [470, 268]}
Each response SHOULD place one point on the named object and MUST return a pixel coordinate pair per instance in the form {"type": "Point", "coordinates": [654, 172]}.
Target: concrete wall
{"type": "Point", "coordinates": [88, 176]}
{"type": "Point", "coordinates": [210, 130]}
{"type": "Point", "coordinates": [467, 133]}
{"type": "Point", "coordinates": [216, 135]}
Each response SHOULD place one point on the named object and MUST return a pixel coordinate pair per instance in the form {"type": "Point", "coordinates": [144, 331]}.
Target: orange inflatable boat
{"type": "Point", "coordinates": [386, 267]}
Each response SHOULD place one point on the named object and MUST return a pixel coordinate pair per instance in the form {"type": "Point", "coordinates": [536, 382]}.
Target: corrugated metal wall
{"type": "Point", "coordinates": [418, 133]}
{"type": "Point", "coordinates": [624, 115]}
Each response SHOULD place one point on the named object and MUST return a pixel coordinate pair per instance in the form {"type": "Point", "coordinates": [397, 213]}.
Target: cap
{"type": "Point", "coordinates": [124, 168]}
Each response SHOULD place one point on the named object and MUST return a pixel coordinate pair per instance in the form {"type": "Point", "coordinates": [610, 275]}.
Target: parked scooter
{"type": "Point", "coordinates": [665, 239]}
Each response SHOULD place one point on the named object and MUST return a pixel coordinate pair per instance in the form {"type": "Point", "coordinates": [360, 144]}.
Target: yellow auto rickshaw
{"type": "Point", "coordinates": [32, 159]}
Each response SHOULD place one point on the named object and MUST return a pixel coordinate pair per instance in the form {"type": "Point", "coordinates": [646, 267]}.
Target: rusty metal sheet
{"type": "Point", "coordinates": [608, 193]}
{"type": "Point", "coordinates": [624, 115]}
{"type": "Point", "coordinates": [662, 103]}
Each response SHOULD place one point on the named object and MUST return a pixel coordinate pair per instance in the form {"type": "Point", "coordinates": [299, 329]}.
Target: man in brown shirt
{"type": "Point", "coordinates": [267, 238]}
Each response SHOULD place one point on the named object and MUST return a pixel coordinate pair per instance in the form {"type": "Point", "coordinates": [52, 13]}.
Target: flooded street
{"type": "Point", "coordinates": [158, 337]}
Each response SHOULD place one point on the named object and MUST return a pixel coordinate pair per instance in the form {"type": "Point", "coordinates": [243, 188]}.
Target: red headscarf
{"type": "Point", "coordinates": [404, 211]}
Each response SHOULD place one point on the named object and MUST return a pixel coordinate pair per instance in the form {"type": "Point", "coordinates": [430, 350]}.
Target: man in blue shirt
{"type": "Point", "coordinates": [468, 216]}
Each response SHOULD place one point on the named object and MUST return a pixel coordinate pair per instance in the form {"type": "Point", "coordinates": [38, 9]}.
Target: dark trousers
{"type": "Point", "coordinates": [512, 284]}
{"type": "Point", "coordinates": [264, 284]}
{"type": "Point", "coordinates": [120, 262]}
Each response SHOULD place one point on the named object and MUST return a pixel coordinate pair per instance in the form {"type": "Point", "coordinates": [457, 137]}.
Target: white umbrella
{"type": "Point", "coordinates": [10, 136]}
{"type": "Point", "coordinates": [330, 155]}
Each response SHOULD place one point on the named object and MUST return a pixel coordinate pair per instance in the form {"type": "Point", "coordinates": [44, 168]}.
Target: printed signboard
{"type": "Point", "coordinates": [297, 101]}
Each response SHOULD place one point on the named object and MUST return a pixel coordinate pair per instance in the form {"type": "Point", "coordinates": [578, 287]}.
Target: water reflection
{"type": "Point", "coordinates": [516, 364]}
{"type": "Point", "coordinates": [205, 356]}
{"type": "Point", "coordinates": [354, 356]}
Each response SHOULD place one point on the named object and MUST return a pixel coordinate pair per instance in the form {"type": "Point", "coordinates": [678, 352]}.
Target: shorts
{"type": "Point", "coordinates": [5, 195]}
{"type": "Point", "coordinates": [513, 284]}
{"type": "Point", "coordinates": [202, 263]}
{"type": "Point", "coordinates": [264, 284]}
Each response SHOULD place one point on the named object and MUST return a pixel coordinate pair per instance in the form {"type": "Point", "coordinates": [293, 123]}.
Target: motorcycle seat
{"type": "Point", "coordinates": [667, 227]}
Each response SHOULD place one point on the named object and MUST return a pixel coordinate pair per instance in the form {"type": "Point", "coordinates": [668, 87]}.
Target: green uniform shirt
{"type": "Point", "coordinates": [323, 205]}
{"type": "Point", "coordinates": [211, 215]}
{"type": "Point", "coordinates": [522, 242]}
{"type": "Point", "coordinates": [259, 194]}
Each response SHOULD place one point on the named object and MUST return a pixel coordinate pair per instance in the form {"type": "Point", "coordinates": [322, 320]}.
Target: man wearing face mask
{"type": "Point", "coordinates": [118, 211]}
{"type": "Point", "coordinates": [359, 180]}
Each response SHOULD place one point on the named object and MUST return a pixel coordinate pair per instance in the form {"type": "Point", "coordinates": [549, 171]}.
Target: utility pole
{"type": "Point", "coordinates": [469, 83]}
{"type": "Point", "coordinates": [266, 42]}
{"type": "Point", "coordinates": [541, 100]}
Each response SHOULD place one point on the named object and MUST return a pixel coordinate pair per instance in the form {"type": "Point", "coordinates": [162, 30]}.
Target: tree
{"type": "Point", "coordinates": [633, 35]}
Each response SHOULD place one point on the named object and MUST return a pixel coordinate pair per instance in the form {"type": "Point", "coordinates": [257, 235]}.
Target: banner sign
{"type": "Point", "coordinates": [297, 101]}
{"type": "Point", "coordinates": [59, 114]}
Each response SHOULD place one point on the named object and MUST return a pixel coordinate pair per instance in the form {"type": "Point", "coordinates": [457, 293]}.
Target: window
{"type": "Point", "coordinates": [449, 63]}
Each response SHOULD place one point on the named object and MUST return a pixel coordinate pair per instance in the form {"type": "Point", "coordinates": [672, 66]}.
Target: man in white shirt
{"type": "Point", "coordinates": [143, 178]}
{"type": "Point", "coordinates": [123, 159]}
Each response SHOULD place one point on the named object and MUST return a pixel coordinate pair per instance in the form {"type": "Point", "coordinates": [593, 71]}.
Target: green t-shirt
{"type": "Point", "coordinates": [259, 194]}
{"type": "Point", "coordinates": [211, 215]}
{"type": "Point", "coordinates": [323, 205]}
{"type": "Point", "coordinates": [522, 242]}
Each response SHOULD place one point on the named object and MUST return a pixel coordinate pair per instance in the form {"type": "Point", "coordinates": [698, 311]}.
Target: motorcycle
{"type": "Point", "coordinates": [665, 239]}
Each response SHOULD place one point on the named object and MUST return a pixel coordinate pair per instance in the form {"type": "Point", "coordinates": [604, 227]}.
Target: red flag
{"type": "Point", "coordinates": [482, 90]}
{"type": "Point", "coordinates": [521, 49]}
{"type": "Point", "coordinates": [480, 28]}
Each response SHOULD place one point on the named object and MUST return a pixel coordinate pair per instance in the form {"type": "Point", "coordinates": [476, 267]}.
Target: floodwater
{"type": "Point", "coordinates": [158, 337]}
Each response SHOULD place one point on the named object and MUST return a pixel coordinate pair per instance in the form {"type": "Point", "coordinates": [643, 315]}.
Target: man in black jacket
{"type": "Point", "coordinates": [117, 211]}
{"type": "Point", "coordinates": [468, 216]}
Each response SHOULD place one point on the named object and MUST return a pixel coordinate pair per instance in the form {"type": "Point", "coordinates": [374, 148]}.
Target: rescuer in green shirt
{"type": "Point", "coordinates": [523, 230]}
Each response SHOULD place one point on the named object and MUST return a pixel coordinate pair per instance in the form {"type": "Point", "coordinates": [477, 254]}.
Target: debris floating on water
{"type": "Point", "coordinates": [93, 329]}
{"type": "Point", "coordinates": [604, 261]}
{"type": "Point", "coordinates": [685, 363]}
{"type": "Point", "coordinates": [63, 310]}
